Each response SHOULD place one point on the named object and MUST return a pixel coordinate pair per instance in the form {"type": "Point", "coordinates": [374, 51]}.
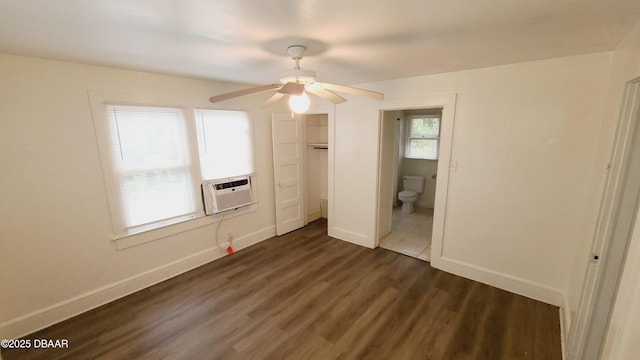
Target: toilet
{"type": "Point", "coordinates": [413, 187]}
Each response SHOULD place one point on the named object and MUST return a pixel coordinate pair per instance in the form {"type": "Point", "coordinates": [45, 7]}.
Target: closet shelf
{"type": "Point", "coordinates": [319, 146]}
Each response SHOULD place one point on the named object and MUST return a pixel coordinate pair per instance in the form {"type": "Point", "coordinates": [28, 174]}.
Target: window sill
{"type": "Point", "coordinates": [420, 158]}
{"type": "Point", "coordinates": [129, 240]}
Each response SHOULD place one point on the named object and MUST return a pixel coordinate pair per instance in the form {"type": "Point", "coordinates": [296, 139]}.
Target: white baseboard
{"type": "Point", "coordinates": [350, 236]}
{"type": "Point", "coordinates": [254, 237]}
{"type": "Point", "coordinates": [55, 313]}
{"type": "Point", "coordinates": [515, 285]}
{"type": "Point", "coordinates": [503, 281]}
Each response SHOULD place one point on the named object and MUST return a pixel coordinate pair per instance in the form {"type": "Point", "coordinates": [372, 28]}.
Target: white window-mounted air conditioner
{"type": "Point", "coordinates": [226, 194]}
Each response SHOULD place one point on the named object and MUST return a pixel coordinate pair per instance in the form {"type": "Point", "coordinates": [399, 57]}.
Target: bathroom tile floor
{"type": "Point", "coordinates": [410, 233]}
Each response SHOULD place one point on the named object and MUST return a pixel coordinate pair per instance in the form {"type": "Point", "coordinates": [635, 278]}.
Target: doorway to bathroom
{"type": "Point", "coordinates": [408, 167]}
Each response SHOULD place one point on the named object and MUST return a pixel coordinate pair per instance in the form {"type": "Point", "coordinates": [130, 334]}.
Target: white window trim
{"type": "Point", "coordinates": [98, 100]}
{"type": "Point", "coordinates": [408, 137]}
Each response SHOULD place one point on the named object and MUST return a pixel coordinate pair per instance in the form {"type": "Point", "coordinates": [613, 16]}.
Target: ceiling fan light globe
{"type": "Point", "coordinates": [299, 104]}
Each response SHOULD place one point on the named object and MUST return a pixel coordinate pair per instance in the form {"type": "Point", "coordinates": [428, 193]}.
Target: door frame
{"type": "Point", "coordinates": [616, 219]}
{"type": "Point", "coordinates": [447, 102]}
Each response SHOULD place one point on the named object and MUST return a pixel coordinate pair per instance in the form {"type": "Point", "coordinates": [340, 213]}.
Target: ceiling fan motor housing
{"type": "Point", "coordinates": [299, 76]}
{"type": "Point", "coordinates": [296, 51]}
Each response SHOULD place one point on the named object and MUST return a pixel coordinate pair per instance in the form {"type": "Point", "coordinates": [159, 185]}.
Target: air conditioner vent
{"type": "Point", "coordinates": [226, 194]}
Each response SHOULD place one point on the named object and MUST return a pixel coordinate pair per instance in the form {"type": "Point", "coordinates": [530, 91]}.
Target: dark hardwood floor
{"type": "Point", "coordinates": [308, 296]}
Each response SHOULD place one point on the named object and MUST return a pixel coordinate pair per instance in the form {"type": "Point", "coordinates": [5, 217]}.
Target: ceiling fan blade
{"type": "Point", "coordinates": [325, 94]}
{"type": "Point", "coordinates": [235, 94]}
{"type": "Point", "coordinates": [352, 90]}
{"type": "Point", "coordinates": [272, 100]}
{"type": "Point", "coordinates": [292, 88]}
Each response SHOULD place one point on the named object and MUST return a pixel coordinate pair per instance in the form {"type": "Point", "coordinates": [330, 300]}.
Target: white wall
{"type": "Point", "coordinates": [624, 328]}
{"type": "Point", "coordinates": [525, 144]}
{"type": "Point", "coordinates": [56, 257]}
{"type": "Point", "coordinates": [354, 168]}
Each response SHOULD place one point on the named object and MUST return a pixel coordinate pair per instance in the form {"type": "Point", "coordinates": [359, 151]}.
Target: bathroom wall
{"type": "Point", "coordinates": [317, 179]}
{"type": "Point", "coordinates": [400, 142]}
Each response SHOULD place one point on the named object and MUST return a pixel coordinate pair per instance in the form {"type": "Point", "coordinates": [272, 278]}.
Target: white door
{"type": "Point", "coordinates": [287, 171]}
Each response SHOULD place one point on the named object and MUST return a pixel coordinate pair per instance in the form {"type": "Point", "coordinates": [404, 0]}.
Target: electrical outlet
{"type": "Point", "coordinates": [230, 237]}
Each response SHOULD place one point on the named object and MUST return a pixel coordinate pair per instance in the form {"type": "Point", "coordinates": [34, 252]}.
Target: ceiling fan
{"type": "Point", "coordinates": [296, 83]}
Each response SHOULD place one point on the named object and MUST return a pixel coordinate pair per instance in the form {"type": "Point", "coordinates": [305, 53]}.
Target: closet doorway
{"type": "Point", "coordinates": [316, 166]}
{"type": "Point", "coordinates": [302, 168]}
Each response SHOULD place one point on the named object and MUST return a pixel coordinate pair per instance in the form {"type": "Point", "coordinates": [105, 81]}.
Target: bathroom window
{"type": "Point", "coordinates": [423, 136]}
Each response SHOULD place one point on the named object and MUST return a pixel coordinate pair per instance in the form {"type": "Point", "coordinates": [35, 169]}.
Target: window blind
{"type": "Point", "coordinates": [225, 143]}
{"type": "Point", "coordinates": [151, 165]}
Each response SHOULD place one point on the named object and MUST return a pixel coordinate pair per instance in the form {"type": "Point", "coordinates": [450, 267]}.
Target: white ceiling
{"type": "Point", "coordinates": [350, 41]}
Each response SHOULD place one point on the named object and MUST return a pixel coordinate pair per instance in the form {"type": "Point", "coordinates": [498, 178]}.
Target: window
{"type": "Point", "coordinates": [224, 143]}
{"type": "Point", "coordinates": [155, 158]}
{"type": "Point", "coordinates": [423, 137]}
{"type": "Point", "coordinates": [151, 166]}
